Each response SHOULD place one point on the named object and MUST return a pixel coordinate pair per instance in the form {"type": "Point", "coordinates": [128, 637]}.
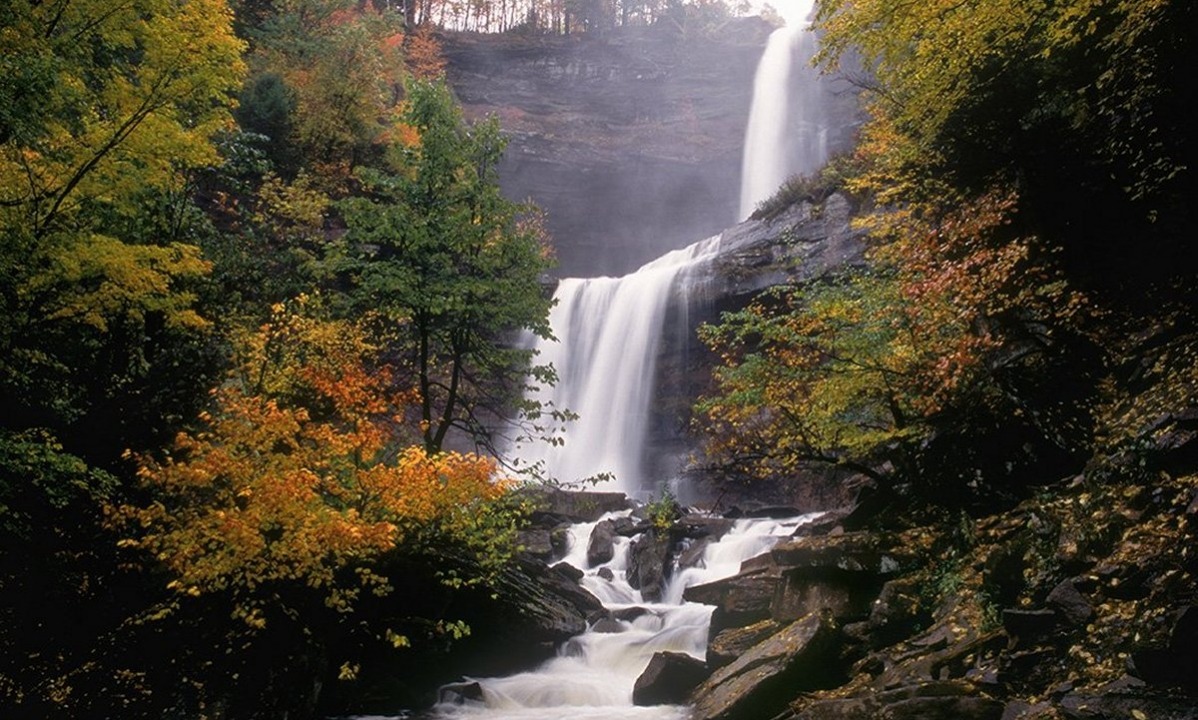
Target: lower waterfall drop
{"type": "Point", "coordinates": [593, 675]}
{"type": "Point", "coordinates": [609, 331]}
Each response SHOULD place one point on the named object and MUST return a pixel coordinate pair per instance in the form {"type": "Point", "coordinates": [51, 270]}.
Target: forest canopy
{"type": "Point", "coordinates": [258, 282]}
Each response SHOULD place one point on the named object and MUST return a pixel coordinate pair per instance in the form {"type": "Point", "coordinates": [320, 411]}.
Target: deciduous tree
{"type": "Point", "coordinates": [442, 254]}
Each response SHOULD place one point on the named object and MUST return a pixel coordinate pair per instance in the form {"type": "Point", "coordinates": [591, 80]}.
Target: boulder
{"type": "Point", "coordinates": [648, 564]}
{"type": "Point", "coordinates": [608, 625]}
{"type": "Point", "coordinates": [559, 540]}
{"type": "Point", "coordinates": [692, 553]}
{"type": "Point", "coordinates": [740, 600]}
{"type": "Point", "coordinates": [601, 547]}
{"type": "Point", "coordinates": [761, 682]}
{"type": "Point", "coordinates": [568, 571]}
{"type": "Point", "coordinates": [728, 645]}
{"type": "Point", "coordinates": [535, 542]}
{"type": "Point", "coordinates": [1070, 604]}
{"type": "Point", "coordinates": [576, 506]}
{"type": "Point", "coordinates": [924, 701]}
{"type": "Point", "coordinates": [460, 693]}
{"type": "Point", "coordinates": [841, 573]}
{"type": "Point", "coordinates": [668, 679]}
{"type": "Point", "coordinates": [849, 552]}
{"type": "Point", "coordinates": [701, 526]}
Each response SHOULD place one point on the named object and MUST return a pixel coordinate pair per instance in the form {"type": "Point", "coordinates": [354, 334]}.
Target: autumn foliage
{"type": "Point", "coordinates": [300, 474]}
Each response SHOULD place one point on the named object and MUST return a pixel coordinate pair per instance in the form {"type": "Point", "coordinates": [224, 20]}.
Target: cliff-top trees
{"type": "Point", "coordinates": [436, 249]}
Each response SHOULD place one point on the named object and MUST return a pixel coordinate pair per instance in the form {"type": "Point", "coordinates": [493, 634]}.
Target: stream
{"type": "Point", "coordinates": [593, 674]}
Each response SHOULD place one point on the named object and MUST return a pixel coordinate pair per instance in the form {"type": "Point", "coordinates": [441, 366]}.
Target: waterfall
{"type": "Point", "coordinates": [788, 125]}
{"type": "Point", "coordinates": [608, 334]}
{"type": "Point", "coordinates": [593, 675]}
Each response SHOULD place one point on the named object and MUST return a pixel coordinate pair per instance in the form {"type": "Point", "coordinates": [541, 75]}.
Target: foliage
{"type": "Point", "coordinates": [438, 251]}
{"type": "Point", "coordinates": [300, 476]}
{"type": "Point", "coordinates": [663, 511]}
{"type": "Point", "coordinates": [888, 368]}
{"type": "Point", "coordinates": [1070, 102]}
{"type": "Point", "coordinates": [831, 178]}
{"type": "Point", "coordinates": [121, 98]}
{"type": "Point", "coordinates": [327, 74]}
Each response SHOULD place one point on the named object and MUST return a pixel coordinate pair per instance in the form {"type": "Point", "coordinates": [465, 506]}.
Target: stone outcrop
{"type": "Point", "coordinates": [669, 679]}
{"type": "Point", "coordinates": [760, 682]}
{"type": "Point", "coordinates": [806, 242]}
{"type": "Point", "coordinates": [740, 600]}
{"type": "Point", "coordinates": [561, 506]}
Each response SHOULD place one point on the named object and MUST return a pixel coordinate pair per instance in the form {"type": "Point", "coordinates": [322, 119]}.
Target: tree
{"type": "Point", "coordinates": [1077, 105]}
{"type": "Point", "coordinates": [301, 476]}
{"type": "Point", "coordinates": [326, 73]}
{"type": "Point", "coordinates": [910, 371]}
{"type": "Point", "coordinates": [439, 251]}
{"type": "Point", "coordinates": [121, 107]}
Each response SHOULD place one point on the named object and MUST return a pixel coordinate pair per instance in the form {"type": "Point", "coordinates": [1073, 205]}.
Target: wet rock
{"type": "Point", "coordinates": [740, 600]}
{"type": "Point", "coordinates": [535, 542]}
{"type": "Point", "coordinates": [668, 679]}
{"type": "Point", "coordinates": [630, 527]}
{"type": "Point", "coordinates": [460, 693]}
{"type": "Point", "coordinates": [1070, 604]}
{"type": "Point", "coordinates": [559, 540]}
{"type": "Point", "coordinates": [608, 625]}
{"type": "Point", "coordinates": [606, 574]}
{"type": "Point", "coordinates": [701, 526]}
{"type": "Point", "coordinates": [761, 682]}
{"type": "Point", "coordinates": [692, 554]}
{"type": "Point", "coordinates": [601, 548]}
{"type": "Point", "coordinates": [568, 571]}
{"type": "Point", "coordinates": [774, 512]}
{"type": "Point", "coordinates": [925, 701]}
{"type": "Point", "coordinates": [823, 525]}
{"type": "Point", "coordinates": [1027, 627]}
{"type": "Point", "coordinates": [648, 564]}
{"type": "Point", "coordinates": [577, 506]}
{"type": "Point", "coordinates": [629, 614]}
{"type": "Point", "coordinates": [727, 645]}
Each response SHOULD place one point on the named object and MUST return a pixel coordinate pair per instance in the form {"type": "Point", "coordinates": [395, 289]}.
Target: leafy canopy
{"type": "Point", "coordinates": [300, 475]}
{"type": "Point", "coordinates": [436, 249]}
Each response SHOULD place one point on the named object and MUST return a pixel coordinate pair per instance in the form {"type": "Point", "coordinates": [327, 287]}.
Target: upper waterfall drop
{"type": "Point", "coordinates": [788, 127]}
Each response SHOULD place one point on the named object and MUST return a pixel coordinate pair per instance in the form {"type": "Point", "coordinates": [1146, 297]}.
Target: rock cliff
{"type": "Point", "coordinates": [631, 141]}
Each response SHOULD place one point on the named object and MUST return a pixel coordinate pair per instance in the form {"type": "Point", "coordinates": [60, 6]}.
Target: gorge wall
{"type": "Point", "coordinates": [631, 141]}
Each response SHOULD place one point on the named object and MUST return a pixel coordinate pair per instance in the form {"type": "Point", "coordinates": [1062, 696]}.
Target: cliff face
{"type": "Point", "coordinates": [631, 142]}
{"type": "Point", "coordinates": [807, 242]}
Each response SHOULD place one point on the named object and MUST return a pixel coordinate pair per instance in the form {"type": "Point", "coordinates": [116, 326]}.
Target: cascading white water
{"type": "Point", "coordinates": [608, 333]}
{"type": "Point", "coordinates": [788, 125]}
{"type": "Point", "coordinates": [592, 677]}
